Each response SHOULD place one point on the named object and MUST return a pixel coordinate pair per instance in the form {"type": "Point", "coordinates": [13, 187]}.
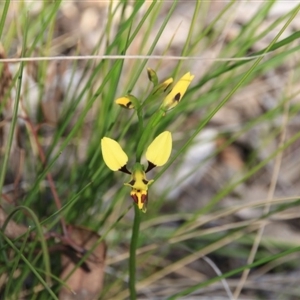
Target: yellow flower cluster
{"type": "Point", "coordinates": [170, 101]}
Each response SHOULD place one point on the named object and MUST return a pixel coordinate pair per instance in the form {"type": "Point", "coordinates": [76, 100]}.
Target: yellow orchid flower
{"type": "Point", "coordinates": [162, 87]}
{"type": "Point", "coordinates": [157, 154]}
{"type": "Point", "coordinates": [178, 91]}
{"type": "Point", "coordinates": [128, 101]}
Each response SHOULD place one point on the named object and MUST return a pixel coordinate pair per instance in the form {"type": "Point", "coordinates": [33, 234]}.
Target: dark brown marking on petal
{"type": "Point", "coordinates": [124, 170]}
{"type": "Point", "coordinates": [145, 181]}
{"type": "Point", "coordinates": [144, 198]}
{"type": "Point", "coordinates": [177, 97]}
{"type": "Point", "coordinates": [128, 105]}
{"type": "Point", "coordinates": [135, 198]}
{"type": "Point", "coordinates": [132, 182]}
{"type": "Point", "coordinates": [150, 166]}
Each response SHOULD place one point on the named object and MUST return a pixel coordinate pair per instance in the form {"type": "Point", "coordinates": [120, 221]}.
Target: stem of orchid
{"type": "Point", "coordinates": [141, 122]}
{"type": "Point", "coordinates": [147, 132]}
{"type": "Point", "coordinates": [133, 247]}
{"type": "Point", "coordinates": [141, 130]}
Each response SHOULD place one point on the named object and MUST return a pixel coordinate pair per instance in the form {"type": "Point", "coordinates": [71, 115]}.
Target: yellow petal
{"type": "Point", "coordinates": [114, 156]}
{"type": "Point", "coordinates": [174, 97]}
{"type": "Point", "coordinates": [125, 102]}
{"type": "Point", "coordinates": [159, 150]}
{"type": "Point", "coordinates": [162, 87]}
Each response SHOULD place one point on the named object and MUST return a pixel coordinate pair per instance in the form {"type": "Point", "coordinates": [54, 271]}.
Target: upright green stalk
{"type": "Point", "coordinates": [132, 254]}
{"type": "Point", "coordinates": [3, 17]}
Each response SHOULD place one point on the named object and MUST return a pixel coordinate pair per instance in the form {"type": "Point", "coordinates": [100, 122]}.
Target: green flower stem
{"type": "Point", "coordinates": [133, 246]}
{"type": "Point", "coordinates": [141, 122]}
{"type": "Point", "coordinates": [140, 119]}
{"type": "Point", "coordinates": [147, 132]}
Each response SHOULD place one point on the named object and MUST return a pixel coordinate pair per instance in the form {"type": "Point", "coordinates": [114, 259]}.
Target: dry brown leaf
{"type": "Point", "coordinates": [12, 230]}
{"type": "Point", "coordinates": [87, 281]}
